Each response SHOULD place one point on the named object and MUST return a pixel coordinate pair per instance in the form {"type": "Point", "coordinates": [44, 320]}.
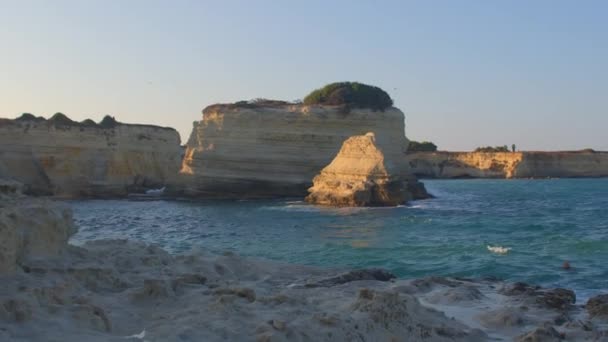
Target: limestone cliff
{"type": "Point", "coordinates": [509, 165]}
{"type": "Point", "coordinates": [366, 172]}
{"type": "Point", "coordinates": [65, 158]}
{"type": "Point", "coordinates": [275, 149]}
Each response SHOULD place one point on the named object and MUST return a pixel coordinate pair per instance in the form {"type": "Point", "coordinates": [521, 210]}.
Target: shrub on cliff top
{"type": "Point", "coordinates": [425, 146]}
{"type": "Point", "coordinates": [351, 94]}
{"type": "Point", "coordinates": [88, 123]}
{"type": "Point", "coordinates": [61, 119]}
{"type": "Point", "coordinates": [29, 117]}
{"type": "Point", "coordinates": [108, 122]}
{"type": "Point", "coordinates": [492, 149]}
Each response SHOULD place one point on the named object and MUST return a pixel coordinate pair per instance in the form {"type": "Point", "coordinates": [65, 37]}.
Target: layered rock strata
{"type": "Point", "coordinates": [368, 171]}
{"type": "Point", "coordinates": [508, 164]}
{"type": "Point", "coordinates": [270, 150]}
{"type": "Point", "coordinates": [69, 159]}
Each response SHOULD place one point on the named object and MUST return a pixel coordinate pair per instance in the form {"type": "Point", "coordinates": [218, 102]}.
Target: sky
{"type": "Point", "coordinates": [465, 73]}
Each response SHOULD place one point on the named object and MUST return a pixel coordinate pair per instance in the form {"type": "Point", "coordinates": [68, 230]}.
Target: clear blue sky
{"type": "Point", "coordinates": [466, 73]}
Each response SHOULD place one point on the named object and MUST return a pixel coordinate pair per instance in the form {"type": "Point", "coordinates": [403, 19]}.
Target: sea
{"type": "Point", "coordinates": [543, 223]}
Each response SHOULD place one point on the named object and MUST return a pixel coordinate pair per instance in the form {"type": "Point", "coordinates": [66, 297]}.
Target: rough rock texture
{"type": "Point", "coordinates": [275, 150]}
{"type": "Point", "coordinates": [32, 229]}
{"type": "Point", "coordinates": [508, 164]}
{"type": "Point", "coordinates": [368, 171]}
{"type": "Point", "coordinates": [72, 160]}
{"type": "Point", "coordinates": [116, 290]}
{"type": "Point", "coordinates": [598, 306]}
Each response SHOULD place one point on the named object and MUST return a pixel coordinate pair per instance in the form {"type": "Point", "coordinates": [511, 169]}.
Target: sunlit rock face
{"type": "Point", "coordinates": [275, 150]}
{"type": "Point", "coordinates": [363, 174]}
{"type": "Point", "coordinates": [584, 163]}
{"type": "Point", "coordinates": [74, 160]}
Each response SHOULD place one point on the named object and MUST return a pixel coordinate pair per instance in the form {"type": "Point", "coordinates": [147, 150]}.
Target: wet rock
{"type": "Point", "coordinates": [356, 275]}
{"type": "Point", "coordinates": [519, 289]}
{"type": "Point", "coordinates": [598, 306]}
{"type": "Point", "coordinates": [428, 283]}
{"type": "Point", "coordinates": [456, 295]}
{"type": "Point", "coordinates": [502, 318]}
{"type": "Point", "coordinates": [560, 299]}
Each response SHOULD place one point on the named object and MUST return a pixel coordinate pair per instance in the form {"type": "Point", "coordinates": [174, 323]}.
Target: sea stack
{"type": "Point", "coordinates": [363, 174]}
{"type": "Point", "coordinates": [267, 148]}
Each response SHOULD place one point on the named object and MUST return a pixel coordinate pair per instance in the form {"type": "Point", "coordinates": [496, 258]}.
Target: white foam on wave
{"type": "Point", "coordinates": [498, 249]}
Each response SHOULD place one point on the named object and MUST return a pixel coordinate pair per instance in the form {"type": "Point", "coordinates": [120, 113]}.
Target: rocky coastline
{"type": "Point", "coordinates": [117, 290]}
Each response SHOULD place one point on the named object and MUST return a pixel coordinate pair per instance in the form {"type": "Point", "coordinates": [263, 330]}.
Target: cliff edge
{"type": "Point", "coordinates": [64, 158]}
{"type": "Point", "coordinates": [559, 164]}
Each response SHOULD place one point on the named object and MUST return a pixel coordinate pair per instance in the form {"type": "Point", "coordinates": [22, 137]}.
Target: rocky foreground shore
{"type": "Point", "coordinates": [116, 290]}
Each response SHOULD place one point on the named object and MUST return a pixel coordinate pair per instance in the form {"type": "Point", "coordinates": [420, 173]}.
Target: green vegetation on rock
{"type": "Point", "coordinates": [492, 149]}
{"type": "Point", "coordinates": [108, 122]}
{"type": "Point", "coordinates": [352, 94]}
{"type": "Point", "coordinates": [425, 146]}
{"type": "Point", "coordinates": [61, 119]}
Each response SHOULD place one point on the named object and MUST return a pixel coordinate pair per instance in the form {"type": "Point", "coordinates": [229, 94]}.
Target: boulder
{"type": "Point", "coordinates": [31, 229]}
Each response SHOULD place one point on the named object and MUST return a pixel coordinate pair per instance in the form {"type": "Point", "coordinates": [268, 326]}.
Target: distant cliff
{"type": "Point", "coordinates": [584, 163]}
{"type": "Point", "coordinates": [275, 148]}
{"type": "Point", "coordinates": [70, 159]}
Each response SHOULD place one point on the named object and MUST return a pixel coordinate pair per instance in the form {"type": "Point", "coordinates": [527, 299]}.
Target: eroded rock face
{"type": "Point", "coordinates": [266, 151]}
{"type": "Point", "coordinates": [32, 229]}
{"type": "Point", "coordinates": [74, 160]}
{"type": "Point", "coordinates": [508, 164]}
{"type": "Point", "coordinates": [366, 172]}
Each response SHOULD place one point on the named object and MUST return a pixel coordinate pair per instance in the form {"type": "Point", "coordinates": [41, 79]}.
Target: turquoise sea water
{"type": "Point", "coordinates": [545, 222]}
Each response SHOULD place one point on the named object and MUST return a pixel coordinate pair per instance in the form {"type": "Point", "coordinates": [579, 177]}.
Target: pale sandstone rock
{"type": "Point", "coordinates": [366, 172]}
{"type": "Point", "coordinates": [72, 160]}
{"type": "Point", "coordinates": [262, 151]}
{"type": "Point", "coordinates": [508, 164]}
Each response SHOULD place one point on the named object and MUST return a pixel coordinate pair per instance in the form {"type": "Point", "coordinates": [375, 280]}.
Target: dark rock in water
{"type": "Point", "coordinates": [518, 289]}
{"type": "Point", "coordinates": [542, 334]}
{"type": "Point", "coordinates": [560, 299]}
{"type": "Point", "coordinates": [364, 274]}
{"type": "Point", "coordinates": [598, 306]}
{"type": "Point", "coordinates": [428, 283]}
